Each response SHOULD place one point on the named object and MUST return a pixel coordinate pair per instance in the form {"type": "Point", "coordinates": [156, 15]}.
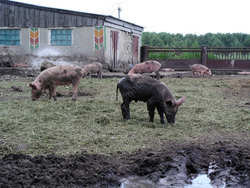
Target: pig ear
{"type": "Point", "coordinates": [180, 101]}
{"type": "Point", "coordinates": [170, 103]}
{"type": "Point", "coordinates": [33, 86]}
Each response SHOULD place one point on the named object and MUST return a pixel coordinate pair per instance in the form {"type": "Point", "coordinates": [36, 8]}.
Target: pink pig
{"type": "Point", "coordinates": [93, 69]}
{"type": "Point", "coordinates": [200, 70]}
{"type": "Point", "coordinates": [167, 70]}
{"type": "Point", "coordinates": [147, 67]}
{"type": "Point", "coordinates": [58, 75]}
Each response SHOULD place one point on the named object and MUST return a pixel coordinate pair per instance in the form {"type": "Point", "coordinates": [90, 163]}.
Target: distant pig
{"type": "Point", "coordinates": [146, 89]}
{"type": "Point", "coordinates": [58, 75]}
{"type": "Point", "coordinates": [147, 67]}
{"type": "Point", "coordinates": [167, 70]}
{"type": "Point", "coordinates": [94, 68]}
{"type": "Point", "coordinates": [243, 73]}
{"type": "Point", "coordinates": [200, 70]}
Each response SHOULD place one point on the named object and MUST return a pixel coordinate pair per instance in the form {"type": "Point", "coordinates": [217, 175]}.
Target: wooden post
{"type": "Point", "coordinates": [144, 53]}
{"type": "Point", "coordinates": [204, 55]}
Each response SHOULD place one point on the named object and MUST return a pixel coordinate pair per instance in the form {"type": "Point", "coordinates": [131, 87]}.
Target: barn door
{"type": "Point", "coordinates": [135, 49]}
{"type": "Point", "coordinates": [114, 48]}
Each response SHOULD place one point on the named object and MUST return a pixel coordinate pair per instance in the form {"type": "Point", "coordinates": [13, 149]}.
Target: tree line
{"type": "Point", "coordinates": [164, 39]}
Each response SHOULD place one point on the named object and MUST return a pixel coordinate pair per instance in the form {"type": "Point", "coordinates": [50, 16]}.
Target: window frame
{"type": "Point", "coordinates": [57, 42]}
{"type": "Point", "coordinates": [14, 38]}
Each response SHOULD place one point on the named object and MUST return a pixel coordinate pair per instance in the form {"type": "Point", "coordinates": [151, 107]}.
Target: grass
{"type": "Point", "coordinates": [94, 122]}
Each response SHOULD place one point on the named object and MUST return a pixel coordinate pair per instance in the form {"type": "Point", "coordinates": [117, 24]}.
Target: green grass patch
{"type": "Point", "coordinates": [94, 122]}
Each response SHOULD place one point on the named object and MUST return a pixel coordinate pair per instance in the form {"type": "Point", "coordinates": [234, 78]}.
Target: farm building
{"type": "Point", "coordinates": [31, 34]}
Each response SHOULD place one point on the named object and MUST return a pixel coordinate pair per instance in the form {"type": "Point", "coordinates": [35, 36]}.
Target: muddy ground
{"type": "Point", "coordinates": [228, 156]}
{"type": "Point", "coordinates": [86, 170]}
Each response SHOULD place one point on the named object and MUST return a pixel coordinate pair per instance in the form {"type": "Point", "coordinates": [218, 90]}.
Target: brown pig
{"type": "Point", "coordinates": [200, 70]}
{"type": "Point", "coordinates": [58, 75]}
{"type": "Point", "coordinates": [147, 67]}
{"type": "Point", "coordinates": [93, 69]}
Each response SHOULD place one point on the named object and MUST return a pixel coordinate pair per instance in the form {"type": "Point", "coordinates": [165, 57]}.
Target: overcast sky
{"type": "Point", "coordinates": [171, 16]}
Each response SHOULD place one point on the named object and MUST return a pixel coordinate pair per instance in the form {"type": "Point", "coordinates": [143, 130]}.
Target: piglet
{"type": "Point", "coordinates": [58, 75]}
{"type": "Point", "coordinates": [147, 67]}
{"type": "Point", "coordinates": [94, 68]}
{"type": "Point", "coordinates": [200, 70]}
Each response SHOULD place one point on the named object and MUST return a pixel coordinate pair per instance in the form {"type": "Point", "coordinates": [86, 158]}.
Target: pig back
{"type": "Point", "coordinates": [142, 88]}
{"type": "Point", "coordinates": [60, 74]}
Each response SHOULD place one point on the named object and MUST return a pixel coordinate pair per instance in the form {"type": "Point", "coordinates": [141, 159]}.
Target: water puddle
{"type": "Point", "coordinates": [200, 181]}
{"type": "Point", "coordinates": [197, 181]}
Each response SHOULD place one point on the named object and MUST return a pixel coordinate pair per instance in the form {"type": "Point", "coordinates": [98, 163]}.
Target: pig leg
{"type": "Point", "coordinates": [151, 108]}
{"type": "Point", "coordinates": [193, 74]}
{"type": "Point", "coordinates": [125, 111]}
{"type": "Point", "coordinates": [160, 112]}
{"type": "Point", "coordinates": [75, 92]}
{"type": "Point", "coordinates": [52, 92]}
{"type": "Point", "coordinates": [99, 75]}
{"type": "Point", "coordinates": [158, 76]}
{"type": "Point", "coordinates": [151, 111]}
{"type": "Point", "coordinates": [88, 75]}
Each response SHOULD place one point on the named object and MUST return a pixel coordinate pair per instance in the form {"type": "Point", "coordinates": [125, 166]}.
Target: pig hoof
{"type": "Point", "coordinates": [73, 99]}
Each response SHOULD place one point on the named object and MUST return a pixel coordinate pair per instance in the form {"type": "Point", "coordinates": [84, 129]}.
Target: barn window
{"type": "Point", "coordinates": [10, 37]}
{"type": "Point", "coordinates": [61, 37]}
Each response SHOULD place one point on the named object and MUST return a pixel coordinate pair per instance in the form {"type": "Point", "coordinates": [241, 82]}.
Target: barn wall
{"type": "Point", "coordinates": [81, 52]}
{"type": "Point", "coordinates": [91, 36]}
{"type": "Point", "coordinates": [125, 48]}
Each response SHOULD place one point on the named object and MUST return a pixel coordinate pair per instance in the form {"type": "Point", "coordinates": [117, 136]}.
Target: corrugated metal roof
{"type": "Point", "coordinates": [53, 17]}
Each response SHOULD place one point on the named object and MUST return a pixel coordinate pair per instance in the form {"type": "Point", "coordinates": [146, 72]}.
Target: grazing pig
{"type": "Point", "coordinates": [200, 69]}
{"type": "Point", "coordinates": [147, 67]}
{"type": "Point", "coordinates": [93, 69]}
{"type": "Point", "coordinates": [146, 89]}
{"type": "Point", "coordinates": [58, 75]}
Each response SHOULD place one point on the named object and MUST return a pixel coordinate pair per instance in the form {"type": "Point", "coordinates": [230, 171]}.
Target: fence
{"type": "Point", "coordinates": [214, 58]}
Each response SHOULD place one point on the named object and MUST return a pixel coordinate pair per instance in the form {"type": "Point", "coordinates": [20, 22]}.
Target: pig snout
{"type": "Point", "coordinates": [170, 118]}
{"type": "Point", "coordinates": [209, 72]}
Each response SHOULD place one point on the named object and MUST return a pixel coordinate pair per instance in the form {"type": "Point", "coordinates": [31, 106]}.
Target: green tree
{"type": "Point", "coordinates": [167, 39]}
{"type": "Point", "coordinates": [246, 42]}
{"type": "Point", "coordinates": [191, 40]}
{"type": "Point", "coordinates": [214, 41]}
{"type": "Point", "coordinates": [146, 38]}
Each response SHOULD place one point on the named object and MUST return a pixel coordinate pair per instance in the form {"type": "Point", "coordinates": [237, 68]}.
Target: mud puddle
{"type": "Point", "coordinates": [195, 181]}
{"type": "Point", "coordinates": [198, 181]}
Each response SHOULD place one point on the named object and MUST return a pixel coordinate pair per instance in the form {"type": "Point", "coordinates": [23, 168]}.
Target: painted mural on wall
{"type": "Point", "coordinates": [100, 38]}
{"type": "Point", "coordinates": [34, 39]}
